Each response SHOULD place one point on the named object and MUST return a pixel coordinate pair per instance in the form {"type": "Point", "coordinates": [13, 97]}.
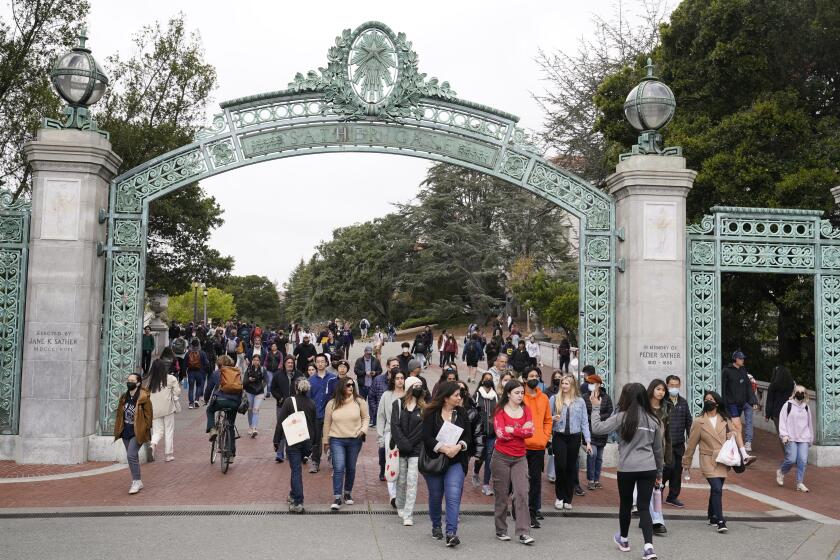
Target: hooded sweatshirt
{"type": "Point", "coordinates": [541, 415]}
{"type": "Point", "coordinates": [796, 425]}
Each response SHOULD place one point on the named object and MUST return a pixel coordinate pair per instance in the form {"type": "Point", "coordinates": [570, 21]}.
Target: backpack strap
{"type": "Point", "coordinates": [294, 404]}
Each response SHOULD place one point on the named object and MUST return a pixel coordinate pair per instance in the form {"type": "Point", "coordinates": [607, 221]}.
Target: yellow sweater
{"type": "Point", "coordinates": [347, 421]}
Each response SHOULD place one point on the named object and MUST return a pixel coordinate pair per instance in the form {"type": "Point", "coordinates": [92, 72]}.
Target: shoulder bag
{"type": "Point", "coordinates": [392, 452]}
{"type": "Point", "coordinates": [176, 402]}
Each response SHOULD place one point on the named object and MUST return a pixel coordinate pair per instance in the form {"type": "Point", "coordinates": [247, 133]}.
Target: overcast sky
{"type": "Point", "coordinates": [277, 212]}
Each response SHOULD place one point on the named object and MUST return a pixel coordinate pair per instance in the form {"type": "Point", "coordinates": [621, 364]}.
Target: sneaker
{"type": "Point", "coordinates": [452, 541]}
{"type": "Point", "coordinates": [780, 477]}
{"type": "Point", "coordinates": [579, 491]}
{"type": "Point", "coordinates": [634, 510]}
{"type": "Point", "coordinates": [648, 553]}
{"type": "Point", "coordinates": [721, 525]}
{"type": "Point", "coordinates": [801, 487]}
{"type": "Point", "coordinates": [659, 529]}
{"type": "Point", "coordinates": [487, 490]}
{"type": "Point", "coordinates": [400, 513]}
{"type": "Point", "coordinates": [597, 484]}
{"type": "Point", "coordinates": [336, 505]}
{"type": "Point", "coordinates": [503, 536]}
{"type": "Point", "coordinates": [713, 521]}
{"type": "Point", "coordinates": [348, 499]}
{"type": "Point", "coordinates": [590, 486]}
{"type": "Point", "coordinates": [253, 434]}
{"type": "Point", "coordinates": [213, 433]}
{"type": "Point", "coordinates": [408, 522]}
{"type": "Point", "coordinates": [394, 503]}
{"type": "Point", "coordinates": [382, 477]}
{"type": "Point", "coordinates": [623, 544]}
{"type": "Point", "coordinates": [297, 508]}
{"type": "Point", "coordinates": [534, 524]}
{"type": "Point", "coordinates": [289, 500]}
{"type": "Point", "coordinates": [674, 502]}
{"type": "Point", "coordinates": [169, 458]}
{"type": "Point", "coordinates": [551, 479]}
{"type": "Point", "coordinates": [476, 481]}
{"type": "Point", "coordinates": [437, 533]}
{"type": "Point", "coordinates": [305, 459]}
{"type": "Point", "coordinates": [279, 460]}
{"type": "Point", "coordinates": [313, 468]}
{"type": "Point", "coordinates": [136, 486]}
{"type": "Point", "coordinates": [749, 460]}
{"type": "Point", "coordinates": [748, 446]}
{"type": "Point", "coordinates": [526, 539]}
{"type": "Point", "coordinates": [567, 505]}
{"type": "Point", "coordinates": [558, 504]}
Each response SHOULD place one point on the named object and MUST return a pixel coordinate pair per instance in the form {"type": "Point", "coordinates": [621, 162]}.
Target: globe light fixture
{"type": "Point", "coordinates": [648, 108]}
{"type": "Point", "coordinates": [80, 81]}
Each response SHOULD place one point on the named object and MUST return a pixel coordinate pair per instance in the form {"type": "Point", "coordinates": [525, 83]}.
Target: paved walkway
{"type": "Point", "coordinates": [255, 479]}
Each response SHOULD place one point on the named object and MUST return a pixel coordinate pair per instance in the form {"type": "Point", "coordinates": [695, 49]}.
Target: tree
{"type": "Point", "coordinates": [220, 306]}
{"type": "Point", "coordinates": [299, 292]}
{"type": "Point", "coordinates": [156, 103]}
{"type": "Point", "coordinates": [555, 300]}
{"type": "Point", "coordinates": [38, 32]}
{"type": "Point", "coordinates": [256, 298]}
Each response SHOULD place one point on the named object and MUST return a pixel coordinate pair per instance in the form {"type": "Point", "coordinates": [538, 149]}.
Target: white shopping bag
{"type": "Point", "coordinates": [392, 460]}
{"type": "Point", "coordinates": [729, 453]}
{"type": "Point", "coordinates": [294, 426]}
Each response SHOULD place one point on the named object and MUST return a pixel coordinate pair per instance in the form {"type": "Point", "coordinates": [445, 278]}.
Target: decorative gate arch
{"type": "Point", "coordinates": [371, 97]}
{"type": "Point", "coordinates": [781, 241]}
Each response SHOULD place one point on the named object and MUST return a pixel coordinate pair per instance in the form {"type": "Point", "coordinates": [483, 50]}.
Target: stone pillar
{"type": "Point", "coordinates": [71, 172]}
{"type": "Point", "coordinates": [650, 193]}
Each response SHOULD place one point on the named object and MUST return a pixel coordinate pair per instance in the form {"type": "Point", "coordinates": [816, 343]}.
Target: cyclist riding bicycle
{"type": "Point", "coordinates": [224, 392]}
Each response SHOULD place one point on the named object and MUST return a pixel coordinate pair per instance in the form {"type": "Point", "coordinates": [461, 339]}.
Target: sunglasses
{"type": "Point", "coordinates": [350, 385]}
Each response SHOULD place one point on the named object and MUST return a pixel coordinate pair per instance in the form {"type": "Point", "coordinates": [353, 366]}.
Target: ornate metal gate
{"type": "Point", "coordinates": [371, 97]}
{"type": "Point", "coordinates": [14, 250]}
{"type": "Point", "coordinates": [780, 241]}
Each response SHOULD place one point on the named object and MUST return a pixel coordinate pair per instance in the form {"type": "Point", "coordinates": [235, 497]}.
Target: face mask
{"type": "Point", "coordinates": [555, 382]}
{"type": "Point", "coordinates": [709, 406]}
{"type": "Point", "coordinates": [417, 392]}
{"type": "Point", "coordinates": [532, 383]}
{"type": "Point", "coordinates": [800, 396]}
{"type": "Point", "coordinates": [488, 384]}
{"type": "Point", "coordinates": [131, 385]}
{"type": "Point", "coordinates": [673, 391]}
{"type": "Point", "coordinates": [394, 370]}
{"type": "Point", "coordinates": [591, 387]}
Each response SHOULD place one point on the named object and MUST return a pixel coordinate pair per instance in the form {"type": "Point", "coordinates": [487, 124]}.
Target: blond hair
{"type": "Point", "coordinates": [559, 399]}
{"type": "Point", "coordinates": [800, 388]}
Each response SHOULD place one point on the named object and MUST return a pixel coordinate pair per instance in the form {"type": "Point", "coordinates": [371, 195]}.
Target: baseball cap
{"type": "Point", "coordinates": [738, 355]}
{"type": "Point", "coordinates": [368, 348]}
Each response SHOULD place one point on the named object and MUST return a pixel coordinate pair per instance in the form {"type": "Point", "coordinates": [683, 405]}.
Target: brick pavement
{"type": "Point", "coordinates": [10, 469]}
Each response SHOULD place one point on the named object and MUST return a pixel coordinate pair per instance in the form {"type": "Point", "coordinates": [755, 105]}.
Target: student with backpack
{"type": "Point", "coordinates": [299, 402]}
{"type": "Point", "coordinates": [472, 353]}
{"type": "Point", "coordinates": [223, 392]}
{"type": "Point", "coordinates": [197, 366]}
{"type": "Point", "coordinates": [797, 434]}
{"type": "Point", "coordinates": [179, 347]}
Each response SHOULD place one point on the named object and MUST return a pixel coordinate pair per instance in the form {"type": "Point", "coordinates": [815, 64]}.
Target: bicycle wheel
{"type": "Point", "coordinates": [212, 451]}
{"type": "Point", "coordinates": [225, 448]}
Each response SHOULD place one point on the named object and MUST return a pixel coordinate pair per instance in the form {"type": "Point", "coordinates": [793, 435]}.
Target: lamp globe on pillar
{"type": "Point", "coordinates": [80, 81]}
{"type": "Point", "coordinates": [649, 107]}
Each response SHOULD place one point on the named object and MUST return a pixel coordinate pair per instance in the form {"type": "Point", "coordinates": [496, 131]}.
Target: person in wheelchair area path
{"type": "Point", "coordinates": [225, 389]}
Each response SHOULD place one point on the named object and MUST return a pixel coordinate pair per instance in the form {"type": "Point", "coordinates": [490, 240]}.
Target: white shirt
{"type": "Point", "coordinates": [533, 349]}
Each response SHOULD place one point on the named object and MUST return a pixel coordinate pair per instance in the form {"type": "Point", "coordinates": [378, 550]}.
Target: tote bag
{"type": "Point", "coordinates": [729, 454]}
{"type": "Point", "coordinates": [392, 454]}
{"type": "Point", "coordinates": [294, 427]}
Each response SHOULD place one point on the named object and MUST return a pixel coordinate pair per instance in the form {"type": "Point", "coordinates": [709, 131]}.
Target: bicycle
{"type": "Point", "coordinates": [221, 444]}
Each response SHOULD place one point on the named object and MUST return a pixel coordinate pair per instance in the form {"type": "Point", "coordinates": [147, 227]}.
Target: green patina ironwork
{"type": "Point", "coordinates": [764, 240]}
{"type": "Point", "coordinates": [371, 97]}
{"type": "Point", "coordinates": [14, 251]}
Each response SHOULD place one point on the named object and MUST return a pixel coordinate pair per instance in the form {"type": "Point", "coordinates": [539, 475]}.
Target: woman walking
{"type": "Point", "coordinates": [797, 434]}
{"type": "Point", "coordinates": [710, 431]}
{"type": "Point", "coordinates": [569, 423]}
{"type": "Point", "coordinates": [778, 394]}
{"type": "Point", "coordinates": [254, 385]}
{"type": "Point", "coordinates": [449, 460]}
{"type": "Point", "coordinates": [164, 393]}
{"type": "Point", "coordinates": [450, 349]}
{"type": "Point", "coordinates": [512, 425]}
{"type": "Point", "coordinates": [299, 402]}
{"type": "Point", "coordinates": [346, 422]}
{"type": "Point", "coordinates": [133, 425]}
{"type": "Point", "coordinates": [594, 460]}
{"type": "Point", "coordinates": [639, 458]}
{"type": "Point", "coordinates": [396, 391]}
{"type": "Point", "coordinates": [272, 363]}
{"type": "Point", "coordinates": [407, 432]}
{"type": "Point", "coordinates": [486, 399]}
{"type": "Point", "coordinates": [662, 409]}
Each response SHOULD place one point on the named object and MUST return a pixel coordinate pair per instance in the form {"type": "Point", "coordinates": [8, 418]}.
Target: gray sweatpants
{"type": "Point", "coordinates": [509, 471]}
{"type": "Point", "coordinates": [132, 452]}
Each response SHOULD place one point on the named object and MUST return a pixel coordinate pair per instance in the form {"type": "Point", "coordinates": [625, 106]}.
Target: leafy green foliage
{"type": "Point", "coordinates": [555, 300]}
{"type": "Point", "coordinates": [155, 104]}
{"type": "Point", "coordinates": [220, 305]}
{"type": "Point", "coordinates": [38, 32]}
{"type": "Point", "coordinates": [256, 299]}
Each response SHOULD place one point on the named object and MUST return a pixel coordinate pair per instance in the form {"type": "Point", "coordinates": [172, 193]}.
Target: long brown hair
{"type": "Point", "coordinates": [445, 390]}
{"type": "Point", "coordinates": [339, 398]}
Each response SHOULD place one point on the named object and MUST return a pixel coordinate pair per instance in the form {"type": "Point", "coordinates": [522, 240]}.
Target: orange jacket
{"type": "Point", "coordinates": [538, 405]}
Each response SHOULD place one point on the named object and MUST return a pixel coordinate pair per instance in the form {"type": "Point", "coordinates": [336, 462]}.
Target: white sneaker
{"type": "Point", "coordinates": [552, 479]}
{"type": "Point", "coordinates": [136, 486]}
{"type": "Point", "coordinates": [558, 504]}
{"type": "Point", "coordinates": [780, 477]}
{"type": "Point", "coordinates": [801, 487]}
{"type": "Point", "coordinates": [748, 446]}
{"type": "Point", "coordinates": [408, 522]}
{"type": "Point", "coordinates": [567, 506]}
{"type": "Point", "coordinates": [400, 513]}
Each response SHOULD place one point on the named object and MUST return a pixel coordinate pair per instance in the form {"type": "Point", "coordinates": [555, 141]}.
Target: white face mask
{"type": "Point", "coordinates": [673, 391]}
{"type": "Point", "coordinates": [592, 387]}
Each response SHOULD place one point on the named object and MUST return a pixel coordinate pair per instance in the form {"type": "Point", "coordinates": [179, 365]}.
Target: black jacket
{"type": "Point", "coordinates": [520, 360]}
{"type": "Point", "coordinates": [431, 426]}
{"type": "Point", "coordinates": [599, 440]}
{"type": "Point", "coordinates": [737, 388]}
{"type": "Point", "coordinates": [305, 404]}
{"type": "Point", "coordinates": [403, 360]}
{"type": "Point", "coordinates": [406, 429]}
{"type": "Point", "coordinates": [254, 380]}
{"type": "Point", "coordinates": [680, 421]}
{"type": "Point", "coordinates": [776, 399]}
{"type": "Point", "coordinates": [478, 435]}
{"type": "Point", "coordinates": [282, 388]}
{"type": "Point", "coordinates": [303, 353]}
{"type": "Point", "coordinates": [359, 370]}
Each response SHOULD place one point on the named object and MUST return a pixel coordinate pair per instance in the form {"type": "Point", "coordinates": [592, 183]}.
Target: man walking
{"type": "Point", "coordinates": [739, 397]}
{"type": "Point", "coordinates": [321, 389]}
{"type": "Point", "coordinates": [366, 368]}
{"type": "Point", "coordinates": [680, 427]}
{"type": "Point", "coordinates": [537, 403]}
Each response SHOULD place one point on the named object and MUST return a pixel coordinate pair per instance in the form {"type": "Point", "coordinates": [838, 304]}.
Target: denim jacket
{"type": "Point", "coordinates": [579, 419]}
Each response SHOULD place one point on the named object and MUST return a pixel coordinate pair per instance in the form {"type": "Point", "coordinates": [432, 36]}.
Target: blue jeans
{"type": "Point", "coordinates": [449, 484]}
{"type": "Point", "coordinates": [344, 452]}
{"type": "Point", "coordinates": [296, 454]}
{"type": "Point", "coordinates": [796, 453]}
{"type": "Point", "coordinates": [593, 463]}
{"type": "Point", "coordinates": [715, 509]}
{"type": "Point", "coordinates": [269, 375]}
{"type": "Point", "coordinates": [735, 411]}
{"type": "Point", "coordinates": [254, 402]}
{"type": "Point", "coordinates": [196, 380]}
{"type": "Point", "coordinates": [281, 445]}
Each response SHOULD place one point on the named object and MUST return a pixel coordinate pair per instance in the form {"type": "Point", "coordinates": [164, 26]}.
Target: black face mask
{"type": "Point", "coordinates": [532, 383]}
{"type": "Point", "coordinates": [488, 384]}
{"type": "Point", "coordinates": [417, 392]}
{"type": "Point", "coordinates": [395, 370]}
{"type": "Point", "coordinates": [799, 396]}
{"type": "Point", "coordinates": [709, 406]}
{"type": "Point", "coordinates": [555, 382]}
{"type": "Point", "coordinates": [131, 385]}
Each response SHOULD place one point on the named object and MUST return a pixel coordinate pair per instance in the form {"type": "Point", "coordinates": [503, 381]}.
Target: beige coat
{"type": "Point", "coordinates": [162, 401]}
{"type": "Point", "coordinates": [710, 439]}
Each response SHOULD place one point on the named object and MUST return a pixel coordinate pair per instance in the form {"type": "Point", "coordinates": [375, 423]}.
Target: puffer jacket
{"type": "Point", "coordinates": [486, 406]}
{"type": "Point", "coordinates": [406, 429]}
{"type": "Point", "coordinates": [476, 448]}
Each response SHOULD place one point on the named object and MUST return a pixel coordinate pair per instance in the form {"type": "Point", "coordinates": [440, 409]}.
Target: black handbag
{"type": "Point", "coordinates": [243, 405]}
{"type": "Point", "coordinates": [431, 465]}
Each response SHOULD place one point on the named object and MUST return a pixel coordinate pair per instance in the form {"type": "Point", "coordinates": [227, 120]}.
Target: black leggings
{"type": "Point", "coordinates": [566, 448]}
{"type": "Point", "coordinates": [643, 481]}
